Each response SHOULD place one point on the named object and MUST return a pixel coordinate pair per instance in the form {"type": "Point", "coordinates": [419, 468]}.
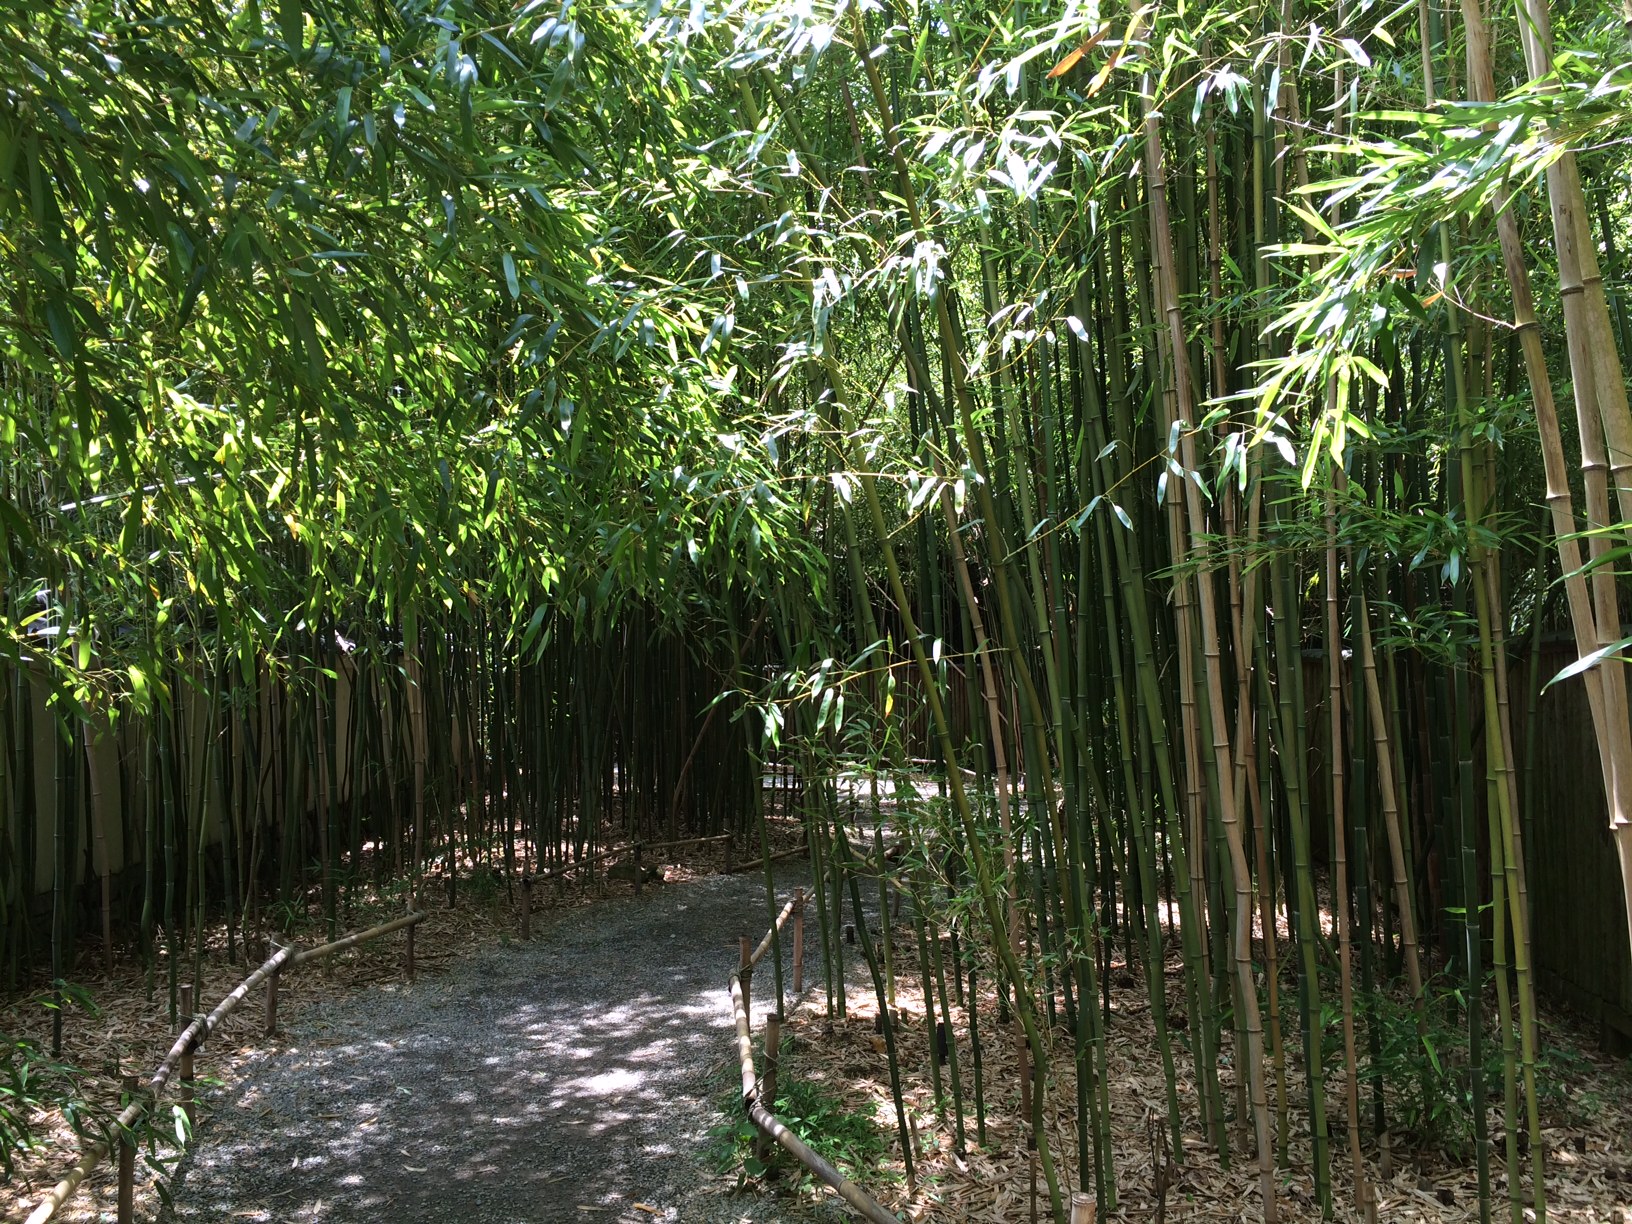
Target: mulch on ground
{"type": "Point", "coordinates": [127, 1029]}
{"type": "Point", "coordinates": [1587, 1116]}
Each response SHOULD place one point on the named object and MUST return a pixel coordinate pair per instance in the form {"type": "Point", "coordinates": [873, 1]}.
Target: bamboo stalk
{"type": "Point", "coordinates": [1601, 408]}
{"type": "Point", "coordinates": [1161, 232]}
{"type": "Point", "coordinates": [104, 863]}
{"type": "Point", "coordinates": [1340, 882]}
{"type": "Point", "coordinates": [1391, 814]}
{"type": "Point", "coordinates": [126, 1209]}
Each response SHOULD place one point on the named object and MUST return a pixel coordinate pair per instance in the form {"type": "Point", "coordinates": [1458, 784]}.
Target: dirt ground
{"type": "Point", "coordinates": [566, 1077]}
{"type": "Point", "coordinates": [577, 1077]}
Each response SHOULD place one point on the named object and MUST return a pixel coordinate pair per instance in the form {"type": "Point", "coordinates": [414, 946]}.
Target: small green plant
{"type": "Point", "coordinates": [1428, 1074]}
{"type": "Point", "coordinates": [1430, 1090]}
{"type": "Point", "coordinates": [483, 886]}
{"type": "Point", "coordinates": [286, 915]}
{"type": "Point", "coordinates": [32, 1081]}
{"type": "Point", "coordinates": [70, 994]}
{"type": "Point", "coordinates": [850, 1139]}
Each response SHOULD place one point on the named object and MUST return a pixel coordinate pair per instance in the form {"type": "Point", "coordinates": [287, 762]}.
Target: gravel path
{"type": "Point", "coordinates": [565, 1079]}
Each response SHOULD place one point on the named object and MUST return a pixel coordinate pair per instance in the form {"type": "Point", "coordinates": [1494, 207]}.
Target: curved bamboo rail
{"type": "Point", "coordinates": [763, 1119]}
{"type": "Point", "coordinates": [187, 1043]}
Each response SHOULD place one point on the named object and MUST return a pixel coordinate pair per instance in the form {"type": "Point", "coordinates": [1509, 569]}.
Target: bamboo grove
{"type": "Point", "coordinates": [1149, 417]}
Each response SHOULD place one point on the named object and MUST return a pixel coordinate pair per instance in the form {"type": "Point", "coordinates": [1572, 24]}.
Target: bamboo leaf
{"type": "Point", "coordinates": [1588, 661]}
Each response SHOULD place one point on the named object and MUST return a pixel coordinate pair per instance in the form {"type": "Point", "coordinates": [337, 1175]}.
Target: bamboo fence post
{"type": "Point", "coordinates": [1082, 1208]}
{"type": "Point", "coordinates": [746, 972]}
{"type": "Point", "coordinates": [798, 943]}
{"type": "Point", "coordinates": [127, 1158]}
{"type": "Point", "coordinates": [767, 1092]}
{"type": "Point", "coordinates": [410, 953]}
{"type": "Point", "coordinates": [639, 870]}
{"type": "Point", "coordinates": [754, 1099]}
{"type": "Point", "coordinates": [182, 1021]}
{"type": "Point", "coordinates": [526, 907]}
{"type": "Point", "coordinates": [272, 991]}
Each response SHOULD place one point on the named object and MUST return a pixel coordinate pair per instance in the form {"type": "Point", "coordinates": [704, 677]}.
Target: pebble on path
{"type": "Point", "coordinates": [564, 1079]}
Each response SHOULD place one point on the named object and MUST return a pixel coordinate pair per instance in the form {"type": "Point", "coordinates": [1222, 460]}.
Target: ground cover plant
{"type": "Point", "coordinates": [851, 1140]}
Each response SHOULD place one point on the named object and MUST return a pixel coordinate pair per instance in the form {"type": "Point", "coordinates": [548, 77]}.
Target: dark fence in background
{"type": "Point", "coordinates": [1578, 920]}
{"type": "Point", "coordinates": [242, 789]}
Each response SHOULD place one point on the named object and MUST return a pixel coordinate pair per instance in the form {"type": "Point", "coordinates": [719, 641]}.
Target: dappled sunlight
{"type": "Point", "coordinates": [538, 1078]}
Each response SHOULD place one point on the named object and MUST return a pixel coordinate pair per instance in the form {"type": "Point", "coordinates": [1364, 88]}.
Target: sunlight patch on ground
{"type": "Point", "coordinates": [607, 1083]}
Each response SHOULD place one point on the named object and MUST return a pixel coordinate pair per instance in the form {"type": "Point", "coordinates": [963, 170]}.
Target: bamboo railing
{"type": "Point", "coordinates": [757, 1090]}
{"type": "Point", "coordinates": [753, 1099]}
{"type": "Point", "coordinates": [127, 1125]}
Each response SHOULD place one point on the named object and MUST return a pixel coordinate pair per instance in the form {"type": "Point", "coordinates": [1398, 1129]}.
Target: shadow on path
{"type": "Point", "coordinates": [565, 1079]}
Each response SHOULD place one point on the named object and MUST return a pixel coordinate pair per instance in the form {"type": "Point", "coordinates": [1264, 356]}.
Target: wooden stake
{"type": "Point", "coordinates": [526, 907]}
{"type": "Point", "coordinates": [1082, 1208]}
{"type": "Point", "coordinates": [272, 989]}
{"type": "Point", "coordinates": [127, 1160]}
{"type": "Point", "coordinates": [773, 1046]}
{"type": "Point", "coordinates": [184, 1019]}
{"type": "Point", "coordinates": [747, 973]}
{"type": "Point", "coordinates": [917, 1153]}
{"type": "Point", "coordinates": [639, 870]}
